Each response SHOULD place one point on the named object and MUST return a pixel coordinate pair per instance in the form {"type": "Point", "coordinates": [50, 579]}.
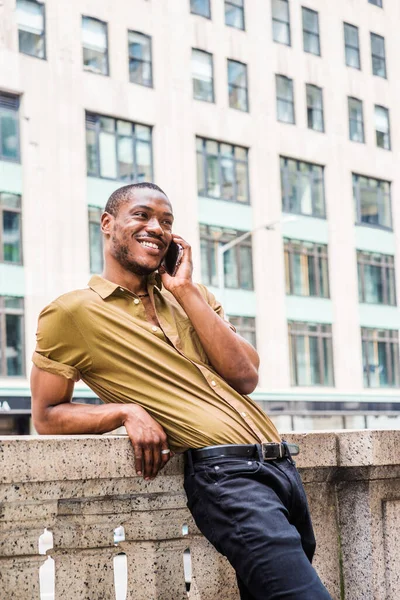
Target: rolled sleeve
{"type": "Point", "coordinates": [57, 368]}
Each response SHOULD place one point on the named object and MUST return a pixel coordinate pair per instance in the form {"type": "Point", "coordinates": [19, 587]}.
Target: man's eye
{"type": "Point", "coordinates": [168, 223]}
{"type": "Point", "coordinates": [140, 214]}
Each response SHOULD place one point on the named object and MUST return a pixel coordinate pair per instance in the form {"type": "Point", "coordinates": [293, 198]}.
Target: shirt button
{"type": "Point", "coordinates": [154, 328]}
{"type": "Point", "coordinates": [213, 383]}
{"type": "Point", "coordinates": [121, 289]}
{"type": "Point", "coordinates": [136, 301]}
{"type": "Point", "coordinates": [244, 415]}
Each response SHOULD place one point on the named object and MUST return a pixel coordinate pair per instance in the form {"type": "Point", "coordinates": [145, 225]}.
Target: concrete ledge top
{"type": "Point", "coordinates": [50, 458]}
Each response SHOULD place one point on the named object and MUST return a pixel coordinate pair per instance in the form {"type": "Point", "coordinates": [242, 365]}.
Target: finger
{"type": "Point", "coordinates": [138, 459]}
{"type": "Point", "coordinates": [156, 459]}
{"type": "Point", "coordinates": [165, 457]}
{"type": "Point", "coordinates": [148, 461]}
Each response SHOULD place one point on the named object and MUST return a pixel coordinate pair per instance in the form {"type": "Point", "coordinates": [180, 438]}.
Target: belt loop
{"type": "Point", "coordinates": [260, 452]}
{"type": "Point", "coordinates": [189, 461]}
{"type": "Point", "coordinates": [288, 454]}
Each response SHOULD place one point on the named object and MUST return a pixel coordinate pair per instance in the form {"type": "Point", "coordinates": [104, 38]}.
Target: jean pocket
{"type": "Point", "coordinates": [217, 470]}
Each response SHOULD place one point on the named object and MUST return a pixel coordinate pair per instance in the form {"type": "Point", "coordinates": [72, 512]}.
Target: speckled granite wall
{"type": "Point", "coordinates": [83, 487]}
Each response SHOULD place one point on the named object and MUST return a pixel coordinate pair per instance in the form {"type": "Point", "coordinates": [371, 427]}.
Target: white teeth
{"type": "Point", "coordinates": [149, 245]}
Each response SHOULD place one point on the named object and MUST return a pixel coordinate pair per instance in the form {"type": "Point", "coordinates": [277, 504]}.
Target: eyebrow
{"type": "Point", "coordinates": [145, 207]}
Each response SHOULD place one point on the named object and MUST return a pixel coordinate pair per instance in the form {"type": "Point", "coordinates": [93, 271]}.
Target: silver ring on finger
{"type": "Point", "coordinates": [166, 451]}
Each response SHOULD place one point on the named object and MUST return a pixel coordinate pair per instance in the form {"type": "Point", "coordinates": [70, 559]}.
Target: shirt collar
{"type": "Point", "coordinates": [106, 288]}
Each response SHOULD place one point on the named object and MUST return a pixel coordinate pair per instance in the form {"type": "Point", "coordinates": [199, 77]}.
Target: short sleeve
{"type": "Point", "coordinates": [215, 304]}
{"type": "Point", "coordinates": [60, 346]}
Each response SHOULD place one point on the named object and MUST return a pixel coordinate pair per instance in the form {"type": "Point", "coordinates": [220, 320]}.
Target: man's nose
{"type": "Point", "coordinates": [153, 226]}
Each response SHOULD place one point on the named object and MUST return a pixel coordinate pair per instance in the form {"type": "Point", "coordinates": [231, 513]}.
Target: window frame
{"type": "Point", "coordinates": [4, 98]}
{"type": "Point", "coordinates": [378, 3]}
{"type": "Point", "coordinates": [85, 68]}
{"type": "Point", "coordinates": [227, 235]}
{"type": "Point", "coordinates": [377, 56]}
{"type": "Point", "coordinates": [357, 201]}
{"type": "Point", "coordinates": [96, 127]}
{"type": "Point", "coordinates": [192, 12]}
{"type": "Point", "coordinates": [212, 101]}
{"type": "Point", "coordinates": [315, 250]}
{"type": "Point", "coordinates": [389, 147]}
{"type": "Point", "coordinates": [239, 87]}
{"type": "Point", "coordinates": [361, 105]}
{"type": "Point", "coordinates": [386, 263]}
{"type": "Point", "coordinates": [236, 161]}
{"type": "Point", "coordinates": [280, 100]}
{"type": "Point", "coordinates": [3, 335]}
{"type": "Point", "coordinates": [92, 219]}
{"type": "Point", "coordinates": [390, 337]}
{"type": "Point", "coordinates": [347, 45]}
{"type": "Point", "coordinates": [285, 186]}
{"type": "Point", "coordinates": [241, 8]}
{"type": "Point", "coordinates": [42, 35]}
{"type": "Point", "coordinates": [318, 110]}
{"type": "Point", "coordinates": [307, 32]}
{"type": "Point", "coordinates": [149, 62]}
{"type": "Point", "coordinates": [4, 208]}
{"type": "Point", "coordinates": [243, 327]}
{"type": "Point", "coordinates": [302, 328]}
{"type": "Point", "coordinates": [287, 23]}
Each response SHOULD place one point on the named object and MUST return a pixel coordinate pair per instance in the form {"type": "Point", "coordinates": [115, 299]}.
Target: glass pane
{"type": "Point", "coordinates": [302, 357]}
{"type": "Point", "coordinates": [12, 236]}
{"type": "Point", "coordinates": [351, 35]}
{"type": "Point", "coordinates": [280, 10]}
{"type": "Point", "coordinates": [284, 88]}
{"type": "Point", "coordinates": [314, 361]}
{"type": "Point", "coordinates": [328, 361]}
{"type": "Point", "coordinates": [227, 178]}
{"type": "Point", "coordinates": [201, 188]}
{"type": "Point", "coordinates": [304, 193]}
{"type": "Point", "coordinates": [140, 72]}
{"type": "Point", "coordinates": [377, 45]}
{"type": "Point", "coordinates": [246, 268]}
{"type": "Point", "coordinates": [237, 73]}
{"type": "Point", "coordinates": [13, 302]}
{"type": "Point", "coordinates": [242, 194]}
{"type": "Point", "coordinates": [143, 132]}
{"type": "Point", "coordinates": [94, 41]}
{"type": "Point", "coordinates": [281, 32]}
{"type": "Point", "coordinates": [231, 269]}
{"type": "Point", "coordinates": [139, 46]}
{"type": "Point", "coordinates": [108, 156]}
{"type": "Point", "coordinates": [312, 276]}
{"type": "Point", "coordinates": [373, 284]}
{"type": "Point", "coordinates": [369, 205]}
{"type": "Point", "coordinates": [124, 128]}
{"type": "Point", "coordinates": [9, 134]}
{"type": "Point", "coordinates": [297, 276]}
{"type": "Point", "coordinates": [383, 365]}
{"type": "Point", "coordinates": [200, 7]}
{"type": "Point", "coordinates": [205, 275]}
{"type": "Point", "coordinates": [143, 161]}
{"type": "Point", "coordinates": [213, 249]}
{"type": "Point", "coordinates": [202, 76]}
{"type": "Point", "coordinates": [107, 124]}
{"type": "Point", "coordinates": [211, 147]}
{"type": "Point", "coordinates": [14, 356]}
{"type": "Point", "coordinates": [96, 248]}
{"type": "Point", "coordinates": [311, 43]}
{"type": "Point", "coordinates": [125, 158]}
{"type": "Point", "coordinates": [238, 98]}
{"type": "Point", "coordinates": [31, 43]}
{"type": "Point", "coordinates": [352, 57]}
{"type": "Point", "coordinates": [310, 20]}
{"type": "Point", "coordinates": [234, 16]}
{"type": "Point", "coordinates": [323, 277]}
{"type": "Point", "coordinates": [314, 97]}
{"type": "Point", "coordinates": [91, 152]}
{"type": "Point", "coordinates": [10, 200]}
{"type": "Point", "coordinates": [213, 186]}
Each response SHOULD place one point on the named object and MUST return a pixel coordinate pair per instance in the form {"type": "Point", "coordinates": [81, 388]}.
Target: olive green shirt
{"type": "Point", "coordinates": [100, 335]}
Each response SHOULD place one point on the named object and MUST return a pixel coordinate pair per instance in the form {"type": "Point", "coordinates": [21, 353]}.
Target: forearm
{"type": "Point", "coordinates": [230, 355]}
{"type": "Point", "coordinates": [70, 418]}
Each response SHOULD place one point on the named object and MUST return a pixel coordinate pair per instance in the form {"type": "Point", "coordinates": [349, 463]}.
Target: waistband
{"type": "Point", "coordinates": [262, 452]}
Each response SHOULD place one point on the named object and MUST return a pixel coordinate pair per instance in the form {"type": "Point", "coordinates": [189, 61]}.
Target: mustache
{"type": "Point", "coordinates": [150, 236]}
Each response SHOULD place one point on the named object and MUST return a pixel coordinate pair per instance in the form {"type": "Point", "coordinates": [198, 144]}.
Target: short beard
{"type": "Point", "coordinates": [121, 254]}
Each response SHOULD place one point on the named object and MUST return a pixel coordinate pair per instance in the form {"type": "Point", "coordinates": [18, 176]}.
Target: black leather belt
{"type": "Point", "coordinates": [270, 451]}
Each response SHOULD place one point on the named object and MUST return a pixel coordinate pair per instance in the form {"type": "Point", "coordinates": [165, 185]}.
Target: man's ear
{"type": "Point", "coordinates": [106, 223]}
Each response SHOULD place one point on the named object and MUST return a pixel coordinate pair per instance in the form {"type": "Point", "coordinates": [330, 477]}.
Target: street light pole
{"type": "Point", "coordinates": [225, 247]}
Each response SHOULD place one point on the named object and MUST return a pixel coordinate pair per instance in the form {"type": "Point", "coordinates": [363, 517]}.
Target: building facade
{"type": "Point", "coordinates": [249, 113]}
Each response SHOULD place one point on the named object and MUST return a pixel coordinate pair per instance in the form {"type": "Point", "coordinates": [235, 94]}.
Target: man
{"type": "Point", "coordinates": [167, 365]}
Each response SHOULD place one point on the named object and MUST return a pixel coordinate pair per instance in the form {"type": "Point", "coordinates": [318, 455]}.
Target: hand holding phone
{"type": "Point", "coordinates": [172, 259]}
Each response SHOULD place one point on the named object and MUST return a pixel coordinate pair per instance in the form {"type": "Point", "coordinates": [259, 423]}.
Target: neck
{"type": "Point", "coordinates": [137, 284]}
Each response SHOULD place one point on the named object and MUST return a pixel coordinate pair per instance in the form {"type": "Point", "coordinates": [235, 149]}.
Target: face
{"type": "Point", "coordinates": [139, 235]}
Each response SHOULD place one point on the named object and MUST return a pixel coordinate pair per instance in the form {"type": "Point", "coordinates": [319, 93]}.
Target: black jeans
{"type": "Point", "coordinates": [256, 514]}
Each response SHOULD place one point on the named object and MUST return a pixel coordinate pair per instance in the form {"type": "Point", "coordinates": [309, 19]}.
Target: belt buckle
{"type": "Point", "coordinates": [266, 445]}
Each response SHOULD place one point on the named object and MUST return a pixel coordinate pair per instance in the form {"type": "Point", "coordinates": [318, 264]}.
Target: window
{"type": "Point", "coordinates": [237, 85]}
{"type": "Point", "coordinates": [380, 350]}
{"type": "Point", "coordinates": [246, 327]}
{"type": "Point", "coordinates": [31, 28]}
{"type": "Point", "coordinates": [376, 278]}
{"type": "Point", "coordinates": [302, 187]}
{"type": "Point", "coordinates": [118, 149]}
{"type": "Point", "coordinates": [284, 99]}
{"type": "Point", "coordinates": [382, 127]}
{"type": "Point", "coordinates": [95, 45]}
{"type": "Point", "coordinates": [311, 31]}
{"type": "Point", "coordinates": [10, 228]}
{"type": "Point", "coordinates": [311, 359]}
{"type": "Point", "coordinates": [234, 13]}
{"type": "Point", "coordinates": [315, 110]}
{"type": "Point", "coordinates": [376, 2]}
{"type": "Point", "coordinates": [378, 55]}
{"type": "Point", "coordinates": [95, 240]}
{"type": "Point", "coordinates": [202, 76]}
{"type": "Point", "coordinates": [12, 361]}
{"type": "Point", "coordinates": [201, 7]}
{"type": "Point", "coordinates": [372, 201]}
{"type": "Point", "coordinates": [356, 120]}
{"type": "Point", "coordinates": [352, 46]}
{"type": "Point", "coordinates": [306, 268]}
{"type": "Point", "coordinates": [222, 171]}
{"type": "Point", "coordinates": [140, 68]}
{"type": "Point", "coordinates": [9, 127]}
{"type": "Point", "coordinates": [280, 21]}
{"type": "Point", "coordinates": [238, 264]}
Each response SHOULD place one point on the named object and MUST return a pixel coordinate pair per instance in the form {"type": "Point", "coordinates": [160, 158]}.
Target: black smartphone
{"type": "Point", "coordinates": [172, 259]}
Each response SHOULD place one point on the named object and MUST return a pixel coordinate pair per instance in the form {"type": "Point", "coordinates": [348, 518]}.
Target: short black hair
{"type": "Point", "coordinates": [123, 194]}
